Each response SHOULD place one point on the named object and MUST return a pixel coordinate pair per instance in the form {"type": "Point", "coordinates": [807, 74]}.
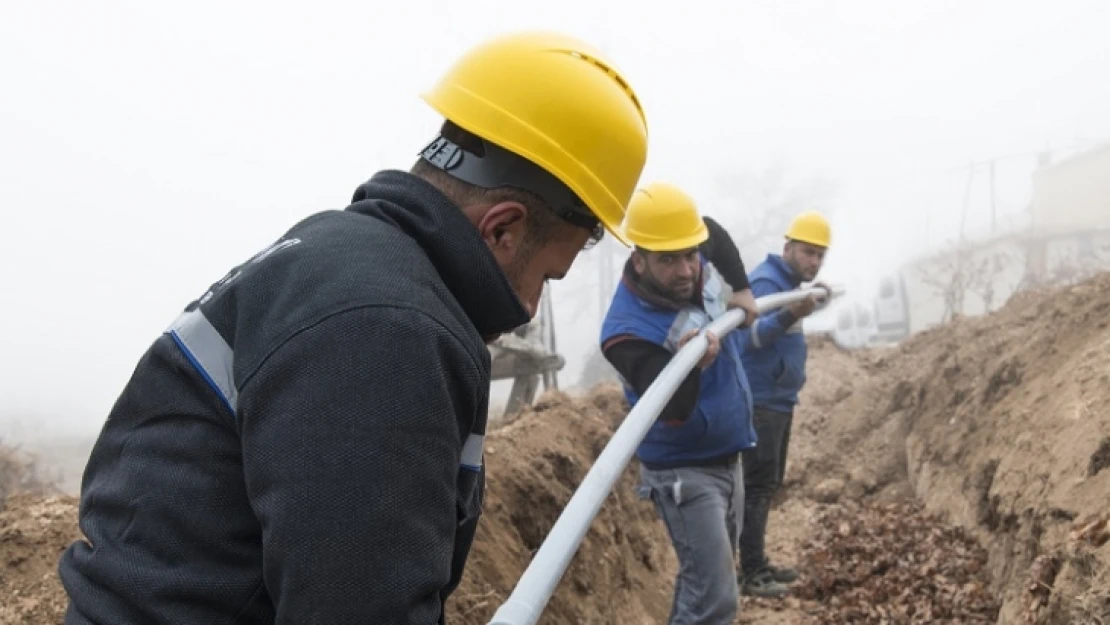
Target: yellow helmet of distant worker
{"type": "Point", "coordinates": [663, 218]}
{"type": "Point", "coordinates": [810, 227]}
{"type": "Point", "coordinates": [557, 119]}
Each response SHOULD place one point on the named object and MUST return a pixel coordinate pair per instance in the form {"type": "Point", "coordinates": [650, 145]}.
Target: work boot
{"type": "Point", "coordinates": [783, 575]}
{"type": "Point", "coordinates": [762, 584]}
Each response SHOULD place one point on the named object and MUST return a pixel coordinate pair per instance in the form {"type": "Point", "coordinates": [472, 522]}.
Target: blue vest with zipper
{"type": "Point", "coordinates": [777, 371]}
{"type": "Point", "coordinates": [720, 424]}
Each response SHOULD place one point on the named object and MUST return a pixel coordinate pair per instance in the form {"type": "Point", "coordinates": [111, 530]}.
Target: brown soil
{"type": "Point", "coordinates": [997, 423]}
{"type": "Point", "coordinates": [962, 477]}
{"type": "Point", "coordinates": [34, 531]}
{"type": "Point", "coordinates": [621, 573]}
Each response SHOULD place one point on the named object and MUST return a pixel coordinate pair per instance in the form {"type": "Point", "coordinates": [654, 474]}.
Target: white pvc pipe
{"type": "Point", "coordinates": [537, 584]}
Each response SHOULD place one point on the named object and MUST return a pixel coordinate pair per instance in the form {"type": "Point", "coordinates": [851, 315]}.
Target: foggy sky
{"type": "Point", "coordinates": [148, 147]}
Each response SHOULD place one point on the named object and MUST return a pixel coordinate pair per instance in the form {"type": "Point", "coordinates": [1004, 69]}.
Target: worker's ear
{"type": "Point", "coordinates": [639, 262]}
{"type": "Point", "coordinates": [502, 227]}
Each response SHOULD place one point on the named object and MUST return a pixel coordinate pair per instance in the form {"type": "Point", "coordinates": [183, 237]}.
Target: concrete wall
{"type": "Point", "coordinates": [1073, 194]}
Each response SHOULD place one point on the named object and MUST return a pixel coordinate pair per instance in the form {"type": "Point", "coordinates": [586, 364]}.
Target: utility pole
{"type": "Point", "coordinates": [547, 315]}
{"type": "Point", "coordinates": [993, 204]}
{"type": "Point", "coordinates": [967, 200]}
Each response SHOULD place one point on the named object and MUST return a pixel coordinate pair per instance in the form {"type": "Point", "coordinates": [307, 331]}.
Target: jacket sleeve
{"type": "Point", "coordinates": [639, 362]}
{"type": "Point", "coordinates": [351, 436]}
{"type": "Point", "coordinates": [762, 287]}
{"type": "Point", "coordinates": [720, 250]}
{"type": "Point", "coordinates": [767, 328]}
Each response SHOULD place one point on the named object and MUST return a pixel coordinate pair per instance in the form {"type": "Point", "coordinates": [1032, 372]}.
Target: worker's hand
{"type": "Point", "coordinates": [710, 351]}
{"type": "Point", "coordinates": [744, 300]}
{"type": "Point", "coordinates": [804, 308]}
{"type": "Point", "coordinates": [823, 300]}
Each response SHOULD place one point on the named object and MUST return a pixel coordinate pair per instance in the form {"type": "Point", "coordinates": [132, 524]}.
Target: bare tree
{"type": "Point", "coordinates": [949, 277]}
{"type": "Point", "coordinates": [964, 269]}
{"type": "Point", "coordinates": [1083, 260]}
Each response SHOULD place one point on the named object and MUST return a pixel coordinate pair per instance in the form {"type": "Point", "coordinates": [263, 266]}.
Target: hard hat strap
{"type": "Point", "coordinates": [498, 167]}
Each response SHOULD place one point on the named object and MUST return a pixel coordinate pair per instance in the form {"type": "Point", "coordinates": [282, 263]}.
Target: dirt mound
{"type": "Point", "coordinates": [996, 422]}
{"type": "Point", "coordinates": [34, 530]}
{"type": "Point", "coordinates": [36, 524]}
{"type": "Point", "coordinates": [621, 574]}
{"type": "Point", "coordinates": [842, 406]}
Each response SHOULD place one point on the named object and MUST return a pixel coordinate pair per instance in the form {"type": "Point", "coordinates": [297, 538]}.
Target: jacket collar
{"type": "Point", "coordinates": [462, 260]}
{"type": "Point", "coordinates": [777, 262]}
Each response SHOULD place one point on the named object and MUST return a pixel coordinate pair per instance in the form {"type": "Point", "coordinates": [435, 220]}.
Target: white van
{"type": "Point", "coordinates": [849, 322]}
{"type": "Point", "coordinates": [855, 326]}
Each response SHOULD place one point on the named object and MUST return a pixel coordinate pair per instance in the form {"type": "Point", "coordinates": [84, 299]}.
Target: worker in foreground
{"type": "Point", "coordinates": [304, 443]}
{"type": "Point", "coordinates": [776, 368]}
{"type": "Point", "coordinates": [690, 457]}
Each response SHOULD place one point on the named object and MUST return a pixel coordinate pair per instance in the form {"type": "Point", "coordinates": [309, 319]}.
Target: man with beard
{"type": "Point", "coordinates": [304, 442]}
{"type": "Point", "coordinates": [776, 370]}
{"type": "Point", "coordinates": [689, 458]}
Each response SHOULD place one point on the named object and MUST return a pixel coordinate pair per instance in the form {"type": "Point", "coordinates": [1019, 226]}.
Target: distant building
{"type": "Point", "coordinates": [1068, 239]}
{"type": "Point", "coordinates": [1070, 215]}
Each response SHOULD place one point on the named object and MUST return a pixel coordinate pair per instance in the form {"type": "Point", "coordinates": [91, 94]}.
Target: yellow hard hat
{"type": "Point", "coordinates": [663, 218]}
{"type": "Point", "coordinates": [560, 104]}
{"type": "Point", "coordinates": [810, 227]}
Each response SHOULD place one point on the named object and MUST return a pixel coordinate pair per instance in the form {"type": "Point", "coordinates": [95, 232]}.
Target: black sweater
{"type": "Point", "coordinates": [304, 445]}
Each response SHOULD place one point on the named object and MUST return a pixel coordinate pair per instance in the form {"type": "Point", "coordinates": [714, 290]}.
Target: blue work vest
{"type": "Point", "coordinates": [720, 424]}
{"type": "Point", "coordinates": [776, 371]}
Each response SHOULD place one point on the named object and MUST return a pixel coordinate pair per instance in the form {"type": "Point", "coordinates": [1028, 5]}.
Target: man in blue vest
{"type": "Point", "coordinates": [689, 459]}
{"type": "Point", "coordinates": [776, 370]}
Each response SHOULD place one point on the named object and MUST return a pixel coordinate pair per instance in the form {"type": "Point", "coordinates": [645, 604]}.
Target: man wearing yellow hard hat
{"type": "Point", "coordinates": [303, 444]}
{"type": "Point", "coordinates": [689, 458]}
{"type": "Point", "coordinates": [776, 369]}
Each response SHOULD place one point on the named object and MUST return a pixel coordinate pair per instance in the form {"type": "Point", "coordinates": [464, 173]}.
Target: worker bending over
{"type": "Point", "coordinates": [303, 444]}
{"type": "Point", "coordinates": [776, 368]}
{"type": "Point", "coordinates": [689, 458]}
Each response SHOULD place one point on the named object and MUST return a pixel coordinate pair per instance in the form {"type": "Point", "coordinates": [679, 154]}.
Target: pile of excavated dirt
{"type": "Point", "coordinates": [34, 530]}
{"type": "Point", "coordinates": [997, 423]}
{"type": "Point", "coordinates": [36, 524]}
{"type": "Point", "coordinates": [623, 571]}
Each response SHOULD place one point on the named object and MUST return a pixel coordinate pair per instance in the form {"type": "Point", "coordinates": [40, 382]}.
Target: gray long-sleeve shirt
{"type": "Point", "coordinates": [303, 444]}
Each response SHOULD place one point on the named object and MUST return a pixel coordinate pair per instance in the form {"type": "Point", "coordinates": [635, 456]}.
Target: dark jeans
{"type": "Point", "coordinates": [764, 469]}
